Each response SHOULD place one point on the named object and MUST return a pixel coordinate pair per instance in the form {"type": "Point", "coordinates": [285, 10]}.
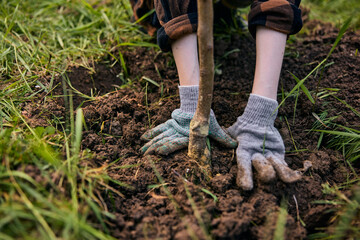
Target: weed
{"type": "Point", "coordinates": [302, 81]}
{"type": "Point", "coordinates": [197, 213]}
{"type": "Point", "coordinates": [41, 37]}
{"type": "Point", "coordinates": [36, 201]}
{"type": "Point", "coordinates": [345, 139]}
{"type": "Point", "coordinates": [43, 193]}
{"type": "Point", "coordinates": [281, 221]}
{"type": "Point", "coordinates": [345, 221]}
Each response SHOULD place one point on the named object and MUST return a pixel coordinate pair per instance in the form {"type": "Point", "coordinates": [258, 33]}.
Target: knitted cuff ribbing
{"type": "Point", "coordinates": [188, 98]}
{"type": "Point", "coordinates": [260, 111]}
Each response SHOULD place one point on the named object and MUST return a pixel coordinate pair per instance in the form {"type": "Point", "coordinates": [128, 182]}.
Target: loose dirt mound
{"type": "Point", "coordinates": [184, 207]}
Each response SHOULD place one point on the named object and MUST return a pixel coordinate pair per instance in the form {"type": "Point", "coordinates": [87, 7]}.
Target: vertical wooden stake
{"type": "Point", "coordinates": [199, 126]}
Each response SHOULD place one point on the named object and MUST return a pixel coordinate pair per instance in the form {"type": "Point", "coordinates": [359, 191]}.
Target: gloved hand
{"type": "Point", "coordinates": [174, 134]}
{"type": "Point", "coordinates": [260, 144]}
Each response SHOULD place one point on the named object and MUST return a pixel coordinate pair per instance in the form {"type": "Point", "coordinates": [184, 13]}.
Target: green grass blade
{"type": "Point", "coordinates": [78, 131]}
{"type": "Point", "coordinates": [341, 33]}
{"type": "Point", "coordinates": [150, 81]}
{"type": "Point", "coordinates": [18, 174]}
{"type": "Point", "coordinates": [304, 89]}
{"type": "Point", "coordinates": [279, 233]}
{"type": "Point", "coordinates": [123, 64]}
{"type": "Point", "coordinates": [344, 226]}
{"type": "Point", "coordinates": [210, 193]}
{"type": "Point", "coordinates": [3, 236]}
{"type": "Point", "coordinates": [139, 44]}
{"type": "Point", "coordinates": [145, 16]}
{"type": "Point", "coordinates": [301, 82]}
{"type": "Point", "coordinates": [347, 105]}
{"type": "Point", "coordinates": [339, 133]}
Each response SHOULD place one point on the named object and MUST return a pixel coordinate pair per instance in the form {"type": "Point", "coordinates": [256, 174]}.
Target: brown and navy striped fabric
{"type": "Point", "coordinates": [142, 7]}
{"type": "Point", "coordinates": [176, 18]}
{"type": "Point", "coordinates": [280, 15]}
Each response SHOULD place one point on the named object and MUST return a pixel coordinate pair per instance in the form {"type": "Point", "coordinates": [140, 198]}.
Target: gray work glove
{"type": "Point", "coordinates": [260, 144]}
{"type": "Point", "coordinates": [174, 133]}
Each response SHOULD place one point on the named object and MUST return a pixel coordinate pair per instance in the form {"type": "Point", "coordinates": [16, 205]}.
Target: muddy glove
{"type": "Point", "coordinates": [174, 133]}
{"type": "Point", "coordinates": [260, 144]}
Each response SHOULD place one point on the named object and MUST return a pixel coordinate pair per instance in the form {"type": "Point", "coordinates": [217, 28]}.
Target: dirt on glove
{"type": "Point", "coordinates": [116, 121]}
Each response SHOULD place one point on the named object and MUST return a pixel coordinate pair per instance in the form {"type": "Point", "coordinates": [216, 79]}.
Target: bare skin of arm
{"type": "Point", "coordinates": [270, 47]}
{"type": "Point", "coordinates": [185, 53]}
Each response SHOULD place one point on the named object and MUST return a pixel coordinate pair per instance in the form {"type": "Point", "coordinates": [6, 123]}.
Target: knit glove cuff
{"type": "Point", "coordinates": [260, 111]}
{"type": "Point", "coordinates": [188, 98]}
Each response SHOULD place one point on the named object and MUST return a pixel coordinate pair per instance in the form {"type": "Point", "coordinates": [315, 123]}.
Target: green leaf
{"type": "Point", "coordinates": [279, 233]}
{"type": "Point", "coordinates": [78, 131]}
{"type": "Point", "coordinates": [304, 89]}
{"type": "Point", "coordinates": [339, 133]}
{"type": "Point", "coordinates": [210, 193]}
{"type": "Point", "coordinates": [340, 35]}
{"type": "Point", "coordinates": [18, 174]}
{"type": "Point", "coordinates": [150, 81]}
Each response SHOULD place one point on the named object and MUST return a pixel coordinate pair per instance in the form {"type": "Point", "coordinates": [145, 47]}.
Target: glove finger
{"type": "Point", "coordinates": [220, 135]}
{"type": "Point", "coordinates": [284, 172]}
{"type": "Point", "coordinates": [280, 157]}
{"type": "Point", "coordinates": [150, 134]}
{"type": "Point", "coordinates": [173, 145]}
{"type": "Point", "coordinates": [154, 148]}
{"type": "Point", "coordinates": [153, 141]}
{"type": "Point", "coordinates": [263, 167]}
{"type": "Point", "coordinates": [244, 178]}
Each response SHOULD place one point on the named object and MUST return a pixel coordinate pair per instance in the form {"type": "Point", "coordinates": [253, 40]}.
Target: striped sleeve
{"type": "Point", "coordinates": [280, 15]}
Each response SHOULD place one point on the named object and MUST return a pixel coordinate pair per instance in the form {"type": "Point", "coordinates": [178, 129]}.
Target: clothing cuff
{"type": "Point", "coordinates": [175, 29]}
{"type": "Point", "coordinates": [188, 98]}
{"type": "Point", "coordinates": [282, 16]}
{"type": "Point", "coordinates": [260, 111]}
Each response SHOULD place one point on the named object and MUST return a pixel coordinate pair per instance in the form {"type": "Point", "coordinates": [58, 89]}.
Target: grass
{"type": "Point", "coordinates": [177, 207]}
{"type": "Point", "coordinates": [45, 192]}
{"type": "Point", "coordinates": [281, 221]}
{"type": "Point", "coordinates": [345, 223]}
{"type": "Point", "coordinates": [300, 83]}
{"type": "Point", "coordinates": [334, 11]}
{"type": "Point", "coordinates": [48, 188]}
{"type": "Point", "coordinates": [41, 195]}
{"type": "Point", "coordinates": [347, 211]}
{"type": "Point", "coordinates": [44, 37]}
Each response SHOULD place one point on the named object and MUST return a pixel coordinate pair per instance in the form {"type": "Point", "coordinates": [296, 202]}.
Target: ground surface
{"type": "Point", "coordinates": [116, 121]}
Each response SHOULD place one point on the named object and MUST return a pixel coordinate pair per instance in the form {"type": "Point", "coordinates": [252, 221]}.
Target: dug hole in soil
{"type": "Point", "coordinates": [116, 121]}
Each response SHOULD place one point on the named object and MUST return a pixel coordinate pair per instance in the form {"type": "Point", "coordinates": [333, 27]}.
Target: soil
{"type": "Point", "coordinates": [161, 206]}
